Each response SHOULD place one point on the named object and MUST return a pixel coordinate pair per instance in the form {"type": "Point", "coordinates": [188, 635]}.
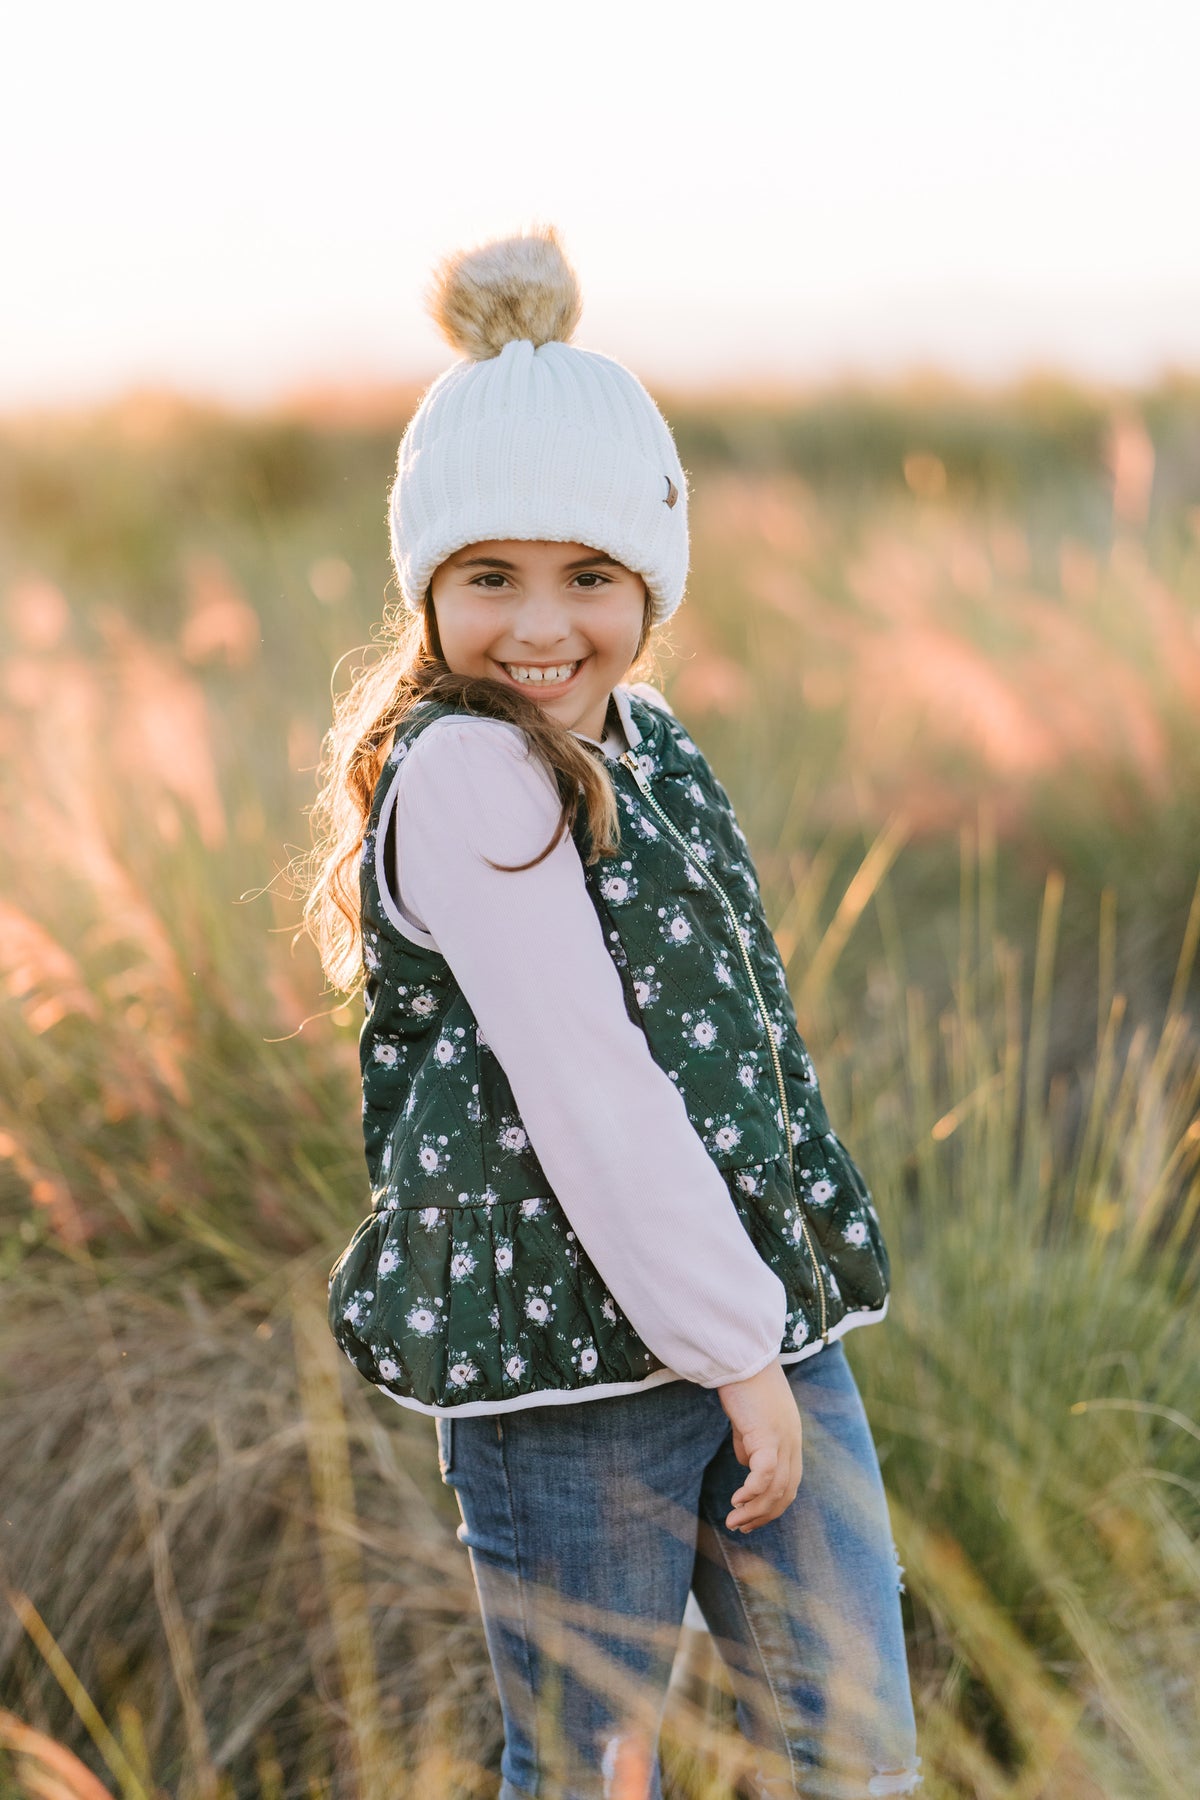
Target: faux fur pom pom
{"type": "Point", "coordinates": [513, 287]}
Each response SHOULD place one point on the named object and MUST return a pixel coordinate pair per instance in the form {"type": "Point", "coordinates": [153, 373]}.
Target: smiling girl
{"type": "Point", "coordinates": [613, 1240]}
{"type": "Point", "coordinates": [559, 620]}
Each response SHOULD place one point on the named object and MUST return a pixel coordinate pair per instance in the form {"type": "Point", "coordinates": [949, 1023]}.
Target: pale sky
{"type": "Point", "coordinates": [242, 197]}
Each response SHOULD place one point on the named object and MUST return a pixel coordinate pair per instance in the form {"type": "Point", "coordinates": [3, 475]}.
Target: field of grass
{"type": "Point", "coordinates": [944, 651]}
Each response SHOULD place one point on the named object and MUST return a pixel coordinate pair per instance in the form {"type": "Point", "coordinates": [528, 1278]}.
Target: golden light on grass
{"type": "Point", "coordinates": [161, 732]}
{"type": "Point", "coordinates": [39, 973]}
{"type": "Point", "coordinates": [252, 1564]}
{"type": "Point", "coordinates": [37, 612]}
{"type": "Point", "coordinates": [220, 621]}
{"type": "Point", "coordinates": [46, 1770]}
{"type": "Point", "coordinates": [959, 674]}
{"type": "Point", "coordinates": [331, 579]}
{"type": "Point", "coordinates": [1130, 456]}
{"type": "Point", "coordinates": [925, 475]}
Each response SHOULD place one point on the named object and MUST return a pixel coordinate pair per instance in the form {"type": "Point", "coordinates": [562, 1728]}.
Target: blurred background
{"type": "Point", "coordinates": [917, 292]}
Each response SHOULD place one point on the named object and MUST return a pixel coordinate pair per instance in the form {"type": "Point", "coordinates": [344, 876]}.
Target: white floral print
{"type": "Point", "coordinates": [703, 1033]}
{"type": "Point", "coordinates": [700, 1013]}
{"type": "Point", "coordinates": [725, 1138]}
{"type": "Point", "coordinates": [617, 889]}
{"type": "Point", "coordinates": [676, 928]}
{"type": "Point", "coordinates": [647, 989]}
{"type": "Point", "coordinates": [430, 1157]}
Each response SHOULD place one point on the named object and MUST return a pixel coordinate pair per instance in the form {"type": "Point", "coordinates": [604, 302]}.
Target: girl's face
{"type": "Point", "coordinates": [515, 609]}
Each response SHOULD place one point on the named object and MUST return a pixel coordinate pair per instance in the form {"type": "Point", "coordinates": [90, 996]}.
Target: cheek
{"type": "Point", "coordinates": [622, 627]}
{"type": "Point", "coordinates": [466, 628]}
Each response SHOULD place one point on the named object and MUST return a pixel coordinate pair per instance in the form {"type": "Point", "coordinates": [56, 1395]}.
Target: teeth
{"type": "Point", "coordinates": [540, 677]}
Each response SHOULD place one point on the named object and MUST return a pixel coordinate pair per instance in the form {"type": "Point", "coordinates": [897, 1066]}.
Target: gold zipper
{"type": "Point", "coordinates": [630, 762]}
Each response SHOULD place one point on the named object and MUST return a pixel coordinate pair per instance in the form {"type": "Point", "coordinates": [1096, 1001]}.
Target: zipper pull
{"type": "Point", "coordinates": [630, 762]}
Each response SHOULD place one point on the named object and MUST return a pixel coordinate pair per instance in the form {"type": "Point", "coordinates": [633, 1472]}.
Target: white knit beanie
{"type": "Point", "coordinates": [528, 436]}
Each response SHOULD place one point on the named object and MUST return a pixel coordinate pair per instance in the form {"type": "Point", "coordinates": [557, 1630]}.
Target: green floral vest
{"type": "Point", "coordinates": [465, 1289]}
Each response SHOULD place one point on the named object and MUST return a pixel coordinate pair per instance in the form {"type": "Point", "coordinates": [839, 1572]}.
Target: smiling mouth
{"type": "Point", "coordinates": [542, 675]}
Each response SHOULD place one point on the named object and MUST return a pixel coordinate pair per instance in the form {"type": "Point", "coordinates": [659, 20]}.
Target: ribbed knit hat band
{"type": "Point", "coordinates": [528, 436]}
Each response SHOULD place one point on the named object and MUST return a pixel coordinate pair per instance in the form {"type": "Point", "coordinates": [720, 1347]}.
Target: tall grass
{"type": "Point", "coordinates": [968, 775]}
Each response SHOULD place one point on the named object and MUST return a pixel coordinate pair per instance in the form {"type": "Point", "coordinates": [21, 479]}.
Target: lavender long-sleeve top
{"type": "Point", "coordinates": [610, 1128]}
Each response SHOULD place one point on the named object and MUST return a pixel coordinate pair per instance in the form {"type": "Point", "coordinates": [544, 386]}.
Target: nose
{"type": "Point", "coordinates": [541, 623]}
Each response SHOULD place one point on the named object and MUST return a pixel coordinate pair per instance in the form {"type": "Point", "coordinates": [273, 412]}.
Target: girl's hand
{"type": "Point", "coordinates": [767, 1440]}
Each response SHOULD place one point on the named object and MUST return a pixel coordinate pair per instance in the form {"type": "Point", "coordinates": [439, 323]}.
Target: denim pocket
{"type": "Point", "coordinates": [445, 1445]}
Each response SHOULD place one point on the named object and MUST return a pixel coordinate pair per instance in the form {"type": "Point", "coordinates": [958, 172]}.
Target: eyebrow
{"type": "Point", "coordinates": [498, 562]}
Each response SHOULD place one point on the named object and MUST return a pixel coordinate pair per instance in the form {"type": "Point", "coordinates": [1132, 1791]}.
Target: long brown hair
{"type": "Point", "coordinates": [355, 748]}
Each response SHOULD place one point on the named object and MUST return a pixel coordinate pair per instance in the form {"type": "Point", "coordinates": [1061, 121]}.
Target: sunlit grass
{"type": "Point", "coordinates": [964, 749]}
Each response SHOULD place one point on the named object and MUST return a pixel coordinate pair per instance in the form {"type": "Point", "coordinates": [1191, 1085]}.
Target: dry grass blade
{"type": "Point", "coordinates": [318, 1365]}
{"type": "Point", "coordinates": [183, 1666]}
{"type": "Point", "coordinates": [46, 1770]}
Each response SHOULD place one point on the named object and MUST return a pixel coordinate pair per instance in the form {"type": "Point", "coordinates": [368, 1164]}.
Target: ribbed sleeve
{"type": "Point", "coordinates": [609, 1126]}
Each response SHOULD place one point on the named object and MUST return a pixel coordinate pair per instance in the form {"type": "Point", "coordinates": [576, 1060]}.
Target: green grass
{"type": "Point", "coordinates": [945, 654]}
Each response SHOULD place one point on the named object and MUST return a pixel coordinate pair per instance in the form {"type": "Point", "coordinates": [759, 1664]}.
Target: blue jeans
{"type": "Point", "coordinates": [588, 1523]}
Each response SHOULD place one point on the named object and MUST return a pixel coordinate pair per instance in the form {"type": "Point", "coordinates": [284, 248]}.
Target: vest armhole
{"type": "Point", "coordinates": [384, 834]}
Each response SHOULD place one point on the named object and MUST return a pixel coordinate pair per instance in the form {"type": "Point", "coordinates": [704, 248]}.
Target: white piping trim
{"type": "Point", "coordinates": [471, 1409]}
{"type": "Point", "coordinates": [633, 736]}
{"type": "Point", "coordinates": [404, 926]}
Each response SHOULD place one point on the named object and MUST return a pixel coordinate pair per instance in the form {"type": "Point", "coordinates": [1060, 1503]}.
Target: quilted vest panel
{"type": "Point", "coordinates": [465, 1283]}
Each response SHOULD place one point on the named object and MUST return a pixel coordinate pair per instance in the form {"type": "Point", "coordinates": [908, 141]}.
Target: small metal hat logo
{"type": "Point", "coordinates": [672, 493]}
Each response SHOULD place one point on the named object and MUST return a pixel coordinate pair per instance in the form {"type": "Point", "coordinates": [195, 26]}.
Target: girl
{"type": "Point", "coordinates": [613, 1242]}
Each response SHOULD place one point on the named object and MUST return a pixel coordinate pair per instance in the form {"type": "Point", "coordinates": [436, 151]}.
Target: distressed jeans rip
{"type": "Point", "coordinates": [625, 1767]}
